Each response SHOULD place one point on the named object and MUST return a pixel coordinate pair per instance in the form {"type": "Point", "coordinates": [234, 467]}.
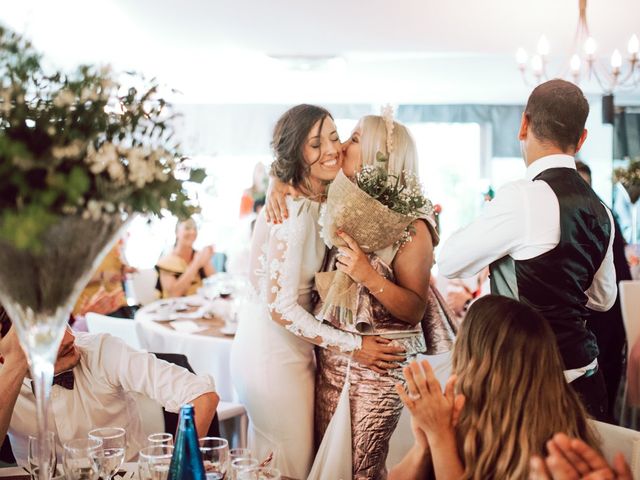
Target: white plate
{"type": "Point", "coordinates": [228, 330]}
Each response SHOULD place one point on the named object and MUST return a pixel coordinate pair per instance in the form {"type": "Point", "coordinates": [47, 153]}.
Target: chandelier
{"type": "Point", "coordinates": [583, 64]}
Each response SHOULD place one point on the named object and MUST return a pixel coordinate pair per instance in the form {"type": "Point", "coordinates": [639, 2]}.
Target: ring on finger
{"type": "Point", "coordinates": [414, 396]}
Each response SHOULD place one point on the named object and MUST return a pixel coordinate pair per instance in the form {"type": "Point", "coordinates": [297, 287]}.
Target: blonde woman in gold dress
{"type": "Point", "coordinates": [180, 273]}
{"type": "Point", "coordinates": [395, 300]}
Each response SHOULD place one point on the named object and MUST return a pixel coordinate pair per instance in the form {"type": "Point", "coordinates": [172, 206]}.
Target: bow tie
{"type": "Point", "coordinates": [64, 379]}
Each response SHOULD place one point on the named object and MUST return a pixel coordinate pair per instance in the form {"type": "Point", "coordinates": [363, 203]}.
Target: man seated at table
{"type": "Point", "coordinates": [95, 377]}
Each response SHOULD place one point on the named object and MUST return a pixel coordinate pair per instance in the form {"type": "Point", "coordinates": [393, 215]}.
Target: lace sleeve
{"type": "Point", "coordinates": [283, 265]}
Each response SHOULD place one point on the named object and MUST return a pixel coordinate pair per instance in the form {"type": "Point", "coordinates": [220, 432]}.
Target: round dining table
{"type": "Point", "coordinates": [196, 327]}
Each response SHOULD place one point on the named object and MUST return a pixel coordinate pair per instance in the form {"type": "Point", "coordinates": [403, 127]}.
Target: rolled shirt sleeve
{"type": "Point", "coordinates": [134, 371]}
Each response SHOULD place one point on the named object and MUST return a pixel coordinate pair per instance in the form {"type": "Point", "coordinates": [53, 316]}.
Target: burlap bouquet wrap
{"type": "Point", "coordinates": [370, 223]}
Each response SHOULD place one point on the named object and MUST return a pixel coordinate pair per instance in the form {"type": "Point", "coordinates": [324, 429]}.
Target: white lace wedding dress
{"type": "Point", "coordinates": [272, 359]}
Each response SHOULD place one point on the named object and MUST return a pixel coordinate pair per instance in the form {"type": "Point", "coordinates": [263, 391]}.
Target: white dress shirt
{"type": "Point", "coordinates": [108, 373]}
{"type": "Point", "coordinates": [523, 221]}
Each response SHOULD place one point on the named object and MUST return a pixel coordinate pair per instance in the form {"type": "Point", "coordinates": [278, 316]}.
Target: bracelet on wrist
{"type": "Point", "coordinates": [378, 291]}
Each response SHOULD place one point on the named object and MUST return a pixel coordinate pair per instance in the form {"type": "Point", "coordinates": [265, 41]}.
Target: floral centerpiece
{"type": "Point", "coordinates": [79, 153]}
{"type": "Point", "coordinates": [377, 210]}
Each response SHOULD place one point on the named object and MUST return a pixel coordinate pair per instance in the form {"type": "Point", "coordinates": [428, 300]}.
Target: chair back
{"type": "Point", "coordinates": [171, 419]}
{"type": "Point", "coordinates": [123, 328]}
{"type": "Point", "coordinates": [617, 439]}
{"type": "Point", "coordinates": [142, 286]}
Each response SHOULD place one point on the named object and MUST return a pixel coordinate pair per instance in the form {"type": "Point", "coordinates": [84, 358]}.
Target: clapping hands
{"type": "Point", "coordinates": [432, 411]}
{"type": "Point", "coordinates": [573, 459]}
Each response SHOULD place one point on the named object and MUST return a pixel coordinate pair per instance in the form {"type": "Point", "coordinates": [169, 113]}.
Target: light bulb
{"type": "Point", "coordinates": [616, 59]}
{"type": "Point", "coordinates": [521, 57]}
{"type": "Point", "coordinates": [536, 64]}
{"type": "Point", "coordinates": [543, 46]}
{"type": "Point", "coordinates": [634, 45]}
{"type": "Point", "coordinates": [590, 46]}
{"type": "Point", "coordinates": [575, 63]}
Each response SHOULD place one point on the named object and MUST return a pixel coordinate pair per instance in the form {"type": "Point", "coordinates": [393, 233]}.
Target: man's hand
{"type": "Point", "coordinates": [11, 352]}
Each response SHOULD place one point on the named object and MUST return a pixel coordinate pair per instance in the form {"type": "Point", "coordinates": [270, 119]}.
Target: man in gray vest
{"type": "Point", "coordinates": [548, 238]}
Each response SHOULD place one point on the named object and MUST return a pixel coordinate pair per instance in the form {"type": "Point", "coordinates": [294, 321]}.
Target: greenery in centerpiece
{"type": "Point", "coordinates": [81, 144]}
{"type": "Point", "coordinates": [629, 177]}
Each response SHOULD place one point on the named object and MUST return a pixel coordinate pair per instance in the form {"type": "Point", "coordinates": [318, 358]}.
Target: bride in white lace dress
{"type": "Point", "coordinates": [272, 359]}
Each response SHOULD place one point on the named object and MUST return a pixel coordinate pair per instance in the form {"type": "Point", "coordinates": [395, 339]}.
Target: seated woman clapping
{"type": "Point", "coordinates": [181, 272]}
{"type": "Point", "coordinates": [507, 398]}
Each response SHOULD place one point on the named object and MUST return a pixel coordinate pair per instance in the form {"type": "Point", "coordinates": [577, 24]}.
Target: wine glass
{"type": "Point", "coordinates": [34, 455]}
{"type": "Point", "coordinates": [110, 457]}
{"type": "Point", "coordinates": [240, 465]}
{"type": "Point", "coordinates": [78, 458]}
{"type": "Point", "coordinates": [260, 473]}
{"type": "Point", "coordinates": [215, 455]}
{"type": "Point", "coordinates": [154, 462]}
{"type": "Point", "coordinates": [158, 439]}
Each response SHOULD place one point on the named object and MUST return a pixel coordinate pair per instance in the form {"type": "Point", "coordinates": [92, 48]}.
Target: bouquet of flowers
{"type": "Point", "coordinates": [81, 144]}
{"type": "Point", "coordinates": [630, 179]}
{"type": "Point", "coordinates": [376, 211]}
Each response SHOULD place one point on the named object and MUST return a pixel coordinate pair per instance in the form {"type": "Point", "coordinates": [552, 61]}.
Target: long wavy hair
{"type": "Point", "coordinates": [516, 396]}
{"type": "Point", "coordinates": [403, 158]}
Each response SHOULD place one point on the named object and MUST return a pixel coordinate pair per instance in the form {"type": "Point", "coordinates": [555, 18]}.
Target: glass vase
{"type": "Point", "coordinates": [38, 289]}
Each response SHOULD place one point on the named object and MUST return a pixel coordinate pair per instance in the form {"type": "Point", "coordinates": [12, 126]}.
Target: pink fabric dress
{"type": "Point", "coordinates": [374, 404]}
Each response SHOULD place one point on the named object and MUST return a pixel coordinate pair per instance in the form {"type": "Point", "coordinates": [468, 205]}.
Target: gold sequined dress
{"type": "Point", "coordinates": [375, 406]}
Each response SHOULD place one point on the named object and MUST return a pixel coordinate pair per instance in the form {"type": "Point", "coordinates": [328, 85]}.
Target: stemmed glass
{"type": "Point", "coordinates": [239, 465]}
{"type": "Point", "coordinates": [110, 457]}
{"type": "Point", "coordinates": [260, 473]}
{"type": "Point", "coordinates": [215, 455]}
{"type": "Point", "coordinates": [34, 455]}
{"type": "Point", "coordinates": [159, 439]}
{"type": "Point", "coordinates": [78, 458]}
{"type": "Point", "coordinates": [38, 289]}
{"type": "Point", "coordinates": [154, 462]}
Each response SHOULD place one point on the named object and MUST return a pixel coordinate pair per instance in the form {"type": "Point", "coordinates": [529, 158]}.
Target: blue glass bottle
{"type": "Point", "coordinates": [186, 462]}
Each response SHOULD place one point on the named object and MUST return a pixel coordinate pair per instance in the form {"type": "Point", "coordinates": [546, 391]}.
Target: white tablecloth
{"type": "Point", "coordinates": [206, 354]}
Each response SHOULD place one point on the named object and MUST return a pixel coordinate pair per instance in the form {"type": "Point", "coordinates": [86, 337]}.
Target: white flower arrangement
{"type": "Point", "coordinates": [80, 144]}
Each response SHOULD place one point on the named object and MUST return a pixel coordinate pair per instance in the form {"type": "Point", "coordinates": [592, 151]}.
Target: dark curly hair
{"type": "Point", "coordinates": [289, 137]}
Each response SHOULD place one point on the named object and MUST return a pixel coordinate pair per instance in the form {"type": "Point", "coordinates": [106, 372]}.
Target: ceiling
{"type": "Point", "coordinates": [402, 51]}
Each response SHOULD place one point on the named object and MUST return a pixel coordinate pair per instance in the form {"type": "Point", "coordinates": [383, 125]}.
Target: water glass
{"type": "Point", "coordinates": [154, 462]}
{"type": "Point", "coordinates": [78, 458]}
{"type": "Point", "coordinates": [215, 455]}
{"type": "Point", "coordinates": [33, 455]}
{"type": "Point", "coordinates": [240, 465]}
{"type": "Point", "coordinates": [157, 439]}
{"type": "Point", "coordinates": [260, 473]}
{"type": "Point", "coordinates": [110, 457]}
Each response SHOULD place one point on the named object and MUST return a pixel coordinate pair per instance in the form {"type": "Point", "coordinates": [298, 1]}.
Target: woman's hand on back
{"type": "Point", "coordinates": [275, 207]}
{"type": "Point", "coordinates": [379, 354]}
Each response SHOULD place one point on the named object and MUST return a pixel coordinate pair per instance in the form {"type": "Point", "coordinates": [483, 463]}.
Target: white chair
{"type": "Point", "coordinates": [620, 440]}
{"type": "Point", "coordinates": [228, 410]}
{"type": "Point", "coordinates": [123, 328]}
{"type": "Point", "coordinates": [142, 285]}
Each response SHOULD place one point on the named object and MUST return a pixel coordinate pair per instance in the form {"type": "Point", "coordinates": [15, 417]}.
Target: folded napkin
{"type": "Point", "coordinates": [187, 326]}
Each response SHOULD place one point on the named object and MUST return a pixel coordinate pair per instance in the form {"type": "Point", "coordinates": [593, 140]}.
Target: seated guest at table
{"type": "Point", "coordinates": [181, 272]}
{"type": "Point", "coordinates": [96, 376]}
{"type": "Point", "coordinates": [12, 373]}
{"type": "Point", "coordinates": [511, 398]}
{"type": "Point", "coordinates": [104, 293]}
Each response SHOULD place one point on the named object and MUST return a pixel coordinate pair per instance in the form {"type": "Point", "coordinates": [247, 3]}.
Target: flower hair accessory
{"type": "Point", "coordinates": [387, 116]}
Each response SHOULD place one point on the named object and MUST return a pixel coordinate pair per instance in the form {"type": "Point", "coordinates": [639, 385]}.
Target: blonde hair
{"type": "Point", "coordinates": [516, 396]}
{"type": "Point", "coordinates": [403, 158]}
